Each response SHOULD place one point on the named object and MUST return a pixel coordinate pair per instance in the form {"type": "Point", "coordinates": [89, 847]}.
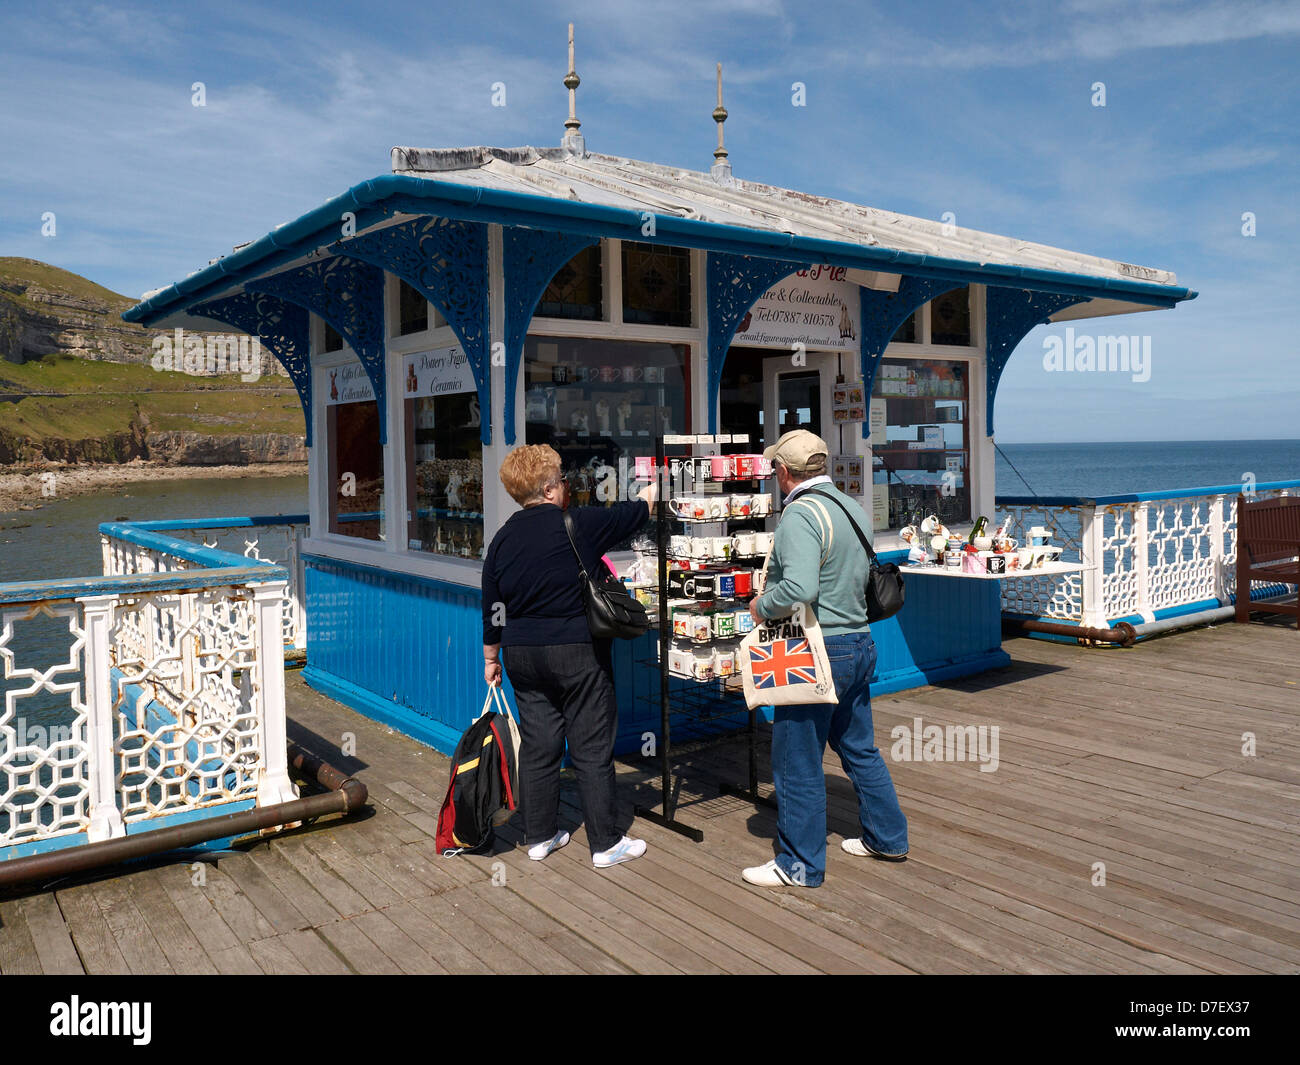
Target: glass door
{"type": "Point", "coordinates": [797, 397]}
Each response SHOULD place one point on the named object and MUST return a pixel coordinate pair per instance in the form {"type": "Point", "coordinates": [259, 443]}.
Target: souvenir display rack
{"type": "Point", "coordinates": [703, 706]}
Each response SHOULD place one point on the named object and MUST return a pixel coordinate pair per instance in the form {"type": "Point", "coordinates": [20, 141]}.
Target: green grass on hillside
{"type": "Point", "coordinates": [58, 280]}
{"type": "Point", "coordinates": [68, 373]}
{"type": "Point", "coordinates": [86, 416]}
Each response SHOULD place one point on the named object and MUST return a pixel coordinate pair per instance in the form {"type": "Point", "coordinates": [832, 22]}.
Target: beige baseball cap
{"type": "Point", "coordinates": [798, 451]}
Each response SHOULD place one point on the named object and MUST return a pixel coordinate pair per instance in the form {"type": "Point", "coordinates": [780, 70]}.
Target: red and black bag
{"type": "Point", "coordinates": [484, 781]}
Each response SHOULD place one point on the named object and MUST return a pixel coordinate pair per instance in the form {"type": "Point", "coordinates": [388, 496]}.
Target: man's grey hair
{"type": "Point", "coordinates": [815, 469]}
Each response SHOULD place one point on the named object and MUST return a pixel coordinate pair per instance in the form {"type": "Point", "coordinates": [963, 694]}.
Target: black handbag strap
{"type": "Point", "coordinates": [871, 554]}
{"type": "Point", "coordinates": [568, 527]}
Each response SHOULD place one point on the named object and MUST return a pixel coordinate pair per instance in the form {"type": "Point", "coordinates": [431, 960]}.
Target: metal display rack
{"type": "Point", "coordinates": [703, 708]}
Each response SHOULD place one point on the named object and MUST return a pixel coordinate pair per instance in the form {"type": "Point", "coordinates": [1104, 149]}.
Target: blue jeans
{"type": "Point", "coordinates": [799, 738]}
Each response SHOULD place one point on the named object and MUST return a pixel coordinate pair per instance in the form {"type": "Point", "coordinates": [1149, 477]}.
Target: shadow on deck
{"type": "Point", "coordinates": [1128, 758]}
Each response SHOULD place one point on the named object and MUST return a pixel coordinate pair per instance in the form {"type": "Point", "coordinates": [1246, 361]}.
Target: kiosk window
{"type": "Point", "coordinates": [356, 459]}
{"type": "Point", "coordinates": [950, 319]}
{"type": "Point", "coordinates": [576, 290]}
{"type": "Point", "coordinates": [600, 403]}
{"type": "Point", "coordinates": [920, 439]}
{"type": "Point", "coordinates": [444, 455]}
{"type": "Point", "coordinates": [656, 284]}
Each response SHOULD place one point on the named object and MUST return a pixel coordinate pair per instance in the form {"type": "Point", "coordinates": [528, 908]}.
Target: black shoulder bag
{"type": "Point", "coordinates": [611, 612]}
{"type": "Point", "coordinates": [884, 580]}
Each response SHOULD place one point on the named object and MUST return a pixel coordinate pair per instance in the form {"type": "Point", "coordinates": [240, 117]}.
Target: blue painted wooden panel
{"type": "Point", "coordinates": [408, 650]}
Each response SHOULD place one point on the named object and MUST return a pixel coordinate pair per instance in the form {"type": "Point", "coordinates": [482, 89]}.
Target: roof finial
{"type": "Point", "coordinates": [721, 169]}
{"type": "Point", "coordinates": [573, 140]}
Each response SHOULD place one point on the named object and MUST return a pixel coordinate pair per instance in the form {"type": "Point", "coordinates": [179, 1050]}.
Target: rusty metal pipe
{"type": "Point", "coordinates": [1122, 633]}
{"type": "Point", "coordinates": [346, 794]}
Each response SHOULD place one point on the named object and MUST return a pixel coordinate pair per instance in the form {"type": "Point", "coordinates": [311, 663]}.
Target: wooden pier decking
{"type": "Point", "coordinates": [1131, 758]}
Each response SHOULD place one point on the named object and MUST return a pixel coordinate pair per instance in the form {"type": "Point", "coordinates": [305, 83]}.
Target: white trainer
{"type": "Point", "coordinates": [769, 875]}
{"type": "Point", "coordinates": [625, 850]}
{"type": "Point", "coordinates": [857, 847]}
{"type": "Point", "coordinates": [538, 851]}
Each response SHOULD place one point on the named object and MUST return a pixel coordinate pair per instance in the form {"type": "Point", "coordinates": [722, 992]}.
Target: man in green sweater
{"type": "Point", "coordinates": [825, 568]}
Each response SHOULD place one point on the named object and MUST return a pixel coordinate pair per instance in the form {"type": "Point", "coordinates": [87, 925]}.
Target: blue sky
{"type": "Point", "coordinates": [981, 109]}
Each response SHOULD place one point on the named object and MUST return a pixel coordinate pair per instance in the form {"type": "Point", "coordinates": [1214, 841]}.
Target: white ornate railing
{"type": "Point", "coordinates": [1147, 556]}
{"type": "Point", "coordinates": [156, 690]}
{"type": "Point", "coordinates": [276, 539]}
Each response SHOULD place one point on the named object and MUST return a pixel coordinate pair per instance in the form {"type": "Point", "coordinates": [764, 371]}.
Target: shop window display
{"type": "Point", "coordinates": [600, 403]}
{"type": "Point", "coordinates": [920, 441]}
{"type": "Point", "coordinates": [356, 459]}
{"type": "Point", "coordinates": [444, 455]}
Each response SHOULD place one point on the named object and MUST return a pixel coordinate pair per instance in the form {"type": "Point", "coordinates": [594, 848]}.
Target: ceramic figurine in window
{"type": "Point", "coordinates": [582, 489]}
{"type": "Point", "coordinates": [411, 383]}
{"type": "Point", "coordinates": [473, 422]}
{"type": "Point", "coordinates": [578, 421]}
{"type": "Point", "coordinates": [453, 490]}
{"type": "Point", "coordinates": [535, 405]}
{"type": "Point", "coordinates": [846, 326]}
{"type": "Point", "coordinates": [625, 417]}
{"type": "Point", "coordinates": [602, 417]}
{"type": "Point", "coordinates": [440, 541]}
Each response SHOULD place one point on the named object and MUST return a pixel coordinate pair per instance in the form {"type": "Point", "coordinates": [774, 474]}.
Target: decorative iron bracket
{"type": "Point", "coordinates": [1011, 314]}
{"type": "Point", "coordinates": [281, 326]}
{"type": "Point", "coordinates": [882, 315]}
{"type": "Point", "coordinates": [732, 284]}
{"type": "Point", "coordinates": [349, 295]}
{"type": "Point", "coordinates": [530, 258]}
{"type": "Point", "coordinates": [446, 261]}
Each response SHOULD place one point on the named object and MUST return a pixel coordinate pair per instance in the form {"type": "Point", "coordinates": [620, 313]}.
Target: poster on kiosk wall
{"type": "Point", "coordinates": [816, 307]}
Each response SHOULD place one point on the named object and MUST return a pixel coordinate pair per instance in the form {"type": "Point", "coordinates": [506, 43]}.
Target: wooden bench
{"type": "Point", "coordinates": [1268, 549]}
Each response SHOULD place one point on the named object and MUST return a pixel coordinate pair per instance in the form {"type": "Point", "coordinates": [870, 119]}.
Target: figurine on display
{"type": "Point", "coordinates": [602, 417]}
{"type": "Point", "coordinates": [624, 417]}
{"type": "Point", "coordinates": [578, 421]}
{"type": "Point", "coordinates": [454, 483]}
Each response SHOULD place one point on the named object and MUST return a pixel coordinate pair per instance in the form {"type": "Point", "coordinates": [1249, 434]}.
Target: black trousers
{"type": "Point", "coordinates": [566, 692]}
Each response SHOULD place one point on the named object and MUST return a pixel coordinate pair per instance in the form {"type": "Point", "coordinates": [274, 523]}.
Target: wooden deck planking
{"type": "Point", "coordinates": [1132, 758]}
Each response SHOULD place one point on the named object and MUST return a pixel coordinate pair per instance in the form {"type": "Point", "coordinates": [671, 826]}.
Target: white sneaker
{"type": "Point", "coordinates": [624, 850]}
{"type": "Point", "coordinates": [861, 850]}
{"type": "Point", "coordinates": [538, 851]}
{"type": "Point", "coordinates": [769, 875]}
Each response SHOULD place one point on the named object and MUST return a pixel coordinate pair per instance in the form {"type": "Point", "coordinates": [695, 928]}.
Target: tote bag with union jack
{"type": "Point", "coordinates": [783, 661]}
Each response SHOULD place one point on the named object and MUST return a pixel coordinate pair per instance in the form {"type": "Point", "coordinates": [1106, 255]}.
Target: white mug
{"type": "Point", "coordinates": [762, 543]}
{"type": "Point", "coordinates": [744, 544]}
{"type": "Point", "coordinates": [679, 546]}
{"type": "Point", "coordinates": [720, 547]}
{"type": "Point", "coordinates": [760, 506]}
{"type": "Point", "coordinates": [700, 546]}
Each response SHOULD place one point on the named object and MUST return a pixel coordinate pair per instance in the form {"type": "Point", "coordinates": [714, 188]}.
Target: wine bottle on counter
{"type": "Point", "coordinates": [981, 523]}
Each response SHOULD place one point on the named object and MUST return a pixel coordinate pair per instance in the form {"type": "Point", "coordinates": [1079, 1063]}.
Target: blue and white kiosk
{"type": "Point", "coordinates": [474, 299]}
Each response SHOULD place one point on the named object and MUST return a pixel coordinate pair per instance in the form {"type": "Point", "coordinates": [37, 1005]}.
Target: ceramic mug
{"type": "Point", "coordinates": [609, 374]}
{"type": "Point", "coordinates": [760, 506]}
{"type": "Point", "coordinates": [741, 506]}
{"type": "Point", "coordinates": [701, 628]}
{"type": "Point", "coordinates": [682, 623]}
{"type": "Point", "coordinates": [760, 582]}
{"type": "Point", "coordinates": [679, 546]}
{"type": "Point", "coordinates": [763, 542]}
{"type": "Point", "coordinates": [744, 466]}
{"type": "Point", "coordinates": [722, 467]}
{"type": "Point", "coordinates": [680, 661]}
{"type": "Point", "coordinates": [702, 664]}
{"type": "Point", "coordinates": [701, 546]}
{"type": "Point", "coordinates": [724, 662]}
{"type": "Point", "coordinates": [701, 586]}
{"type": "Point", "coordinates": [633, 374]}
{"type": "Point", "coordinates": [744, 579]}
{"type": "Point", "coordinates": [744, 622]}
{"type": "Point", "coordinates": [744, 544]}
{"type": "Point", "coordinates": [654, 375]}
{"type": "Point", "coordinates": [720, 547]}
{"type": "Point", "coordinates": [560, 373]}
{"type": "Point", "coordinates": [762, 466]}
{"type": "Point", "coordinates": [726, 586]}
{"type": "Point", "coordinates": [724, 623]}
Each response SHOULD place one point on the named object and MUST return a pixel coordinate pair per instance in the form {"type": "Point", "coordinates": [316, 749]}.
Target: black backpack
{"type": "Point", "coordinates": [483, 782]}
